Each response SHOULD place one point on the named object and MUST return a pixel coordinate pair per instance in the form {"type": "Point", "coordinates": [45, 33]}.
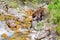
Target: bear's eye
{"type": "Point", "coordinates": [33, 16]}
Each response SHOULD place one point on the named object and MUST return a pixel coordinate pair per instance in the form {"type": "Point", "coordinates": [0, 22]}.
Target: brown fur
{"type": "Point", "coordinates": [38, 13]}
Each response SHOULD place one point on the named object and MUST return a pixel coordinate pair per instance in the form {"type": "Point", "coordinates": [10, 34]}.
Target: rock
{"type": "Point", "coordinates": [51, 37]}
{"type": "Point", "coordinates": [33, 31]}
{"type": "Point", "coordinates": [46, 38]}
{"type": "Point", "coordinates": [4, 29]}
{"type": "Point", "coordinates": [12, 11]}
{"type": "Point", "coordinates": [26, 8]}
{"type": "Point", "coordinates": [42, 34]}
{"type": "Point", "coordinates": [34, 24]}
{"type": "Point", "coordinates": [3, 11]}
{"type": "Point", "coordinates": [10, 33]}
{"type": "Point", "coordinates": [32, 34]}
{"type": "Point", "coordinates": [54, 33]}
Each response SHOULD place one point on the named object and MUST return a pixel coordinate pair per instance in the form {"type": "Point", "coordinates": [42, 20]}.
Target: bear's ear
{"type": "Point", "coordinates": [39, 10]}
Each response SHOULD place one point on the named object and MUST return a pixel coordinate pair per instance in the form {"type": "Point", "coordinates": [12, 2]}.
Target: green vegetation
{"type": "Point", "coordinates": [58, 38]}
{"type": "Point", "coordinates": [13, 4]}
{"type": "Point", "coordinates": [58, 28]}
{"type": "Point", "coordinates": [55, 11]}
{"type": "Point", "coordinates": [39, 26]}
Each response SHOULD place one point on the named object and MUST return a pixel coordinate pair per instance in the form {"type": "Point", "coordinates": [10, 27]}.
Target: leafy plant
{"type": "Point", "coordinates": [56, 15]}
{"type": "Point", "coordinates": [58, 28]}
{"type": "Point", "coordinates": [54, 9]}
{"type": "Point", "coordinates": [39, 26]}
